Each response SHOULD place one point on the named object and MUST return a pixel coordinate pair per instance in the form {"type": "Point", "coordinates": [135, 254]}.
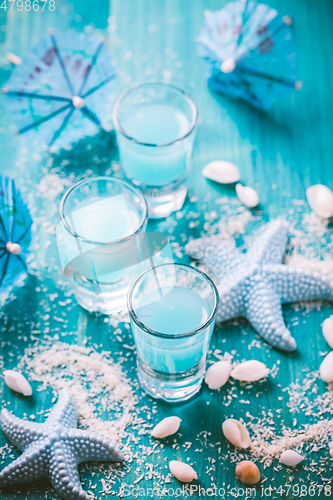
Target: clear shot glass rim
{"type": "Point", "coordinates": [141, 325]}
{"type": "Point", "coordinates": [119, 128]}
{"type": "Point", "coordinates": [109, 179]}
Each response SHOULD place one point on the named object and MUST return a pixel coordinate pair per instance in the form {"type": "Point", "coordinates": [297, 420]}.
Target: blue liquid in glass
{"type": "Point", "coordinates": [159, 123]}
{"type": "Point", "coordinates": [156, 123]}
{"type": "Point", "coordinates": [174, 310]}
{"type": "Point", "coordinates": [104, 220]}
{"type": "Point", "coordinates": [179, 310]}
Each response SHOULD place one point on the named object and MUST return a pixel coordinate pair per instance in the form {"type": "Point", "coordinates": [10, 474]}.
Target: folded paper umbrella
{"type": "Point", "coordinates": [61, 88]}
{"type": "Point", "coordinates": [249, 52]}
{"type": "Point", "coordinates": [15, 234]}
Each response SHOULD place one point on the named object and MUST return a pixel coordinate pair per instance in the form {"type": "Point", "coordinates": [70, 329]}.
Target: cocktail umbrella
{"type": "Point", "coordinates": [249, 52]}
{"type": "Point", "coordinates": [61, 88]}
{"type": "Point", "coordinates": [15, 233]}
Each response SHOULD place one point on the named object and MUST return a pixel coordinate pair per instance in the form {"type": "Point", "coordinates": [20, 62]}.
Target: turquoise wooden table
{"type": "Point", "coordinates": [280, 153]}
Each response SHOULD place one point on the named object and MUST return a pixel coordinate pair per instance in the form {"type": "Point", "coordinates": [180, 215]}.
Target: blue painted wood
{"type": "Point", "coordinates": [290, 147]}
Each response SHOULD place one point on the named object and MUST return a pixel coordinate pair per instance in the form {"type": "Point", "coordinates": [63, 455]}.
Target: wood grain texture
{"type": "Point", "coordinates": [290, 146]}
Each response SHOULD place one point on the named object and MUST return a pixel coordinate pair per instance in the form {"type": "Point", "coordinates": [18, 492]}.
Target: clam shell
{"type": "Point", "coordinates": [247, 195]}
{"type": "Point", "coordinates": [236, 433]}
{"type": "Point", "coordinates": [320, 199]}
{"type": "Point", "coordinates": [291, 458]}
{"type": "Point", "coordinates": [166, 427]}
{"type": "Point", "coordinates": [223, 172]}
{"type": "Point", "coordinates": [326, 368]}
{"type": "Point", "coordinates": [16, 382]}
{"type": "Point", "coordinates": [328, 330]}
{"type": "Point", "coordinates": [218, 374]}
{"type": "Point", "coordinates": [183, 472]}
{"type": "Point", "coordinates": [250, 371]}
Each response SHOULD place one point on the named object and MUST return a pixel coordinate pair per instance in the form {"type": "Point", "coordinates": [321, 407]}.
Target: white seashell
{"type": "Point", "coordinates": [326, 368]}
{"type": "Point", "coordinates": [166, 427]}
{"type": "Point", "coordinates": [328, 330]}
{"type": "Point", "coordinates": [250, 371]}
{"type": "Point", "coordinates": [16, 382]}
{"type": "Point", "coordinates": [218, 374]}
{"type": "Point", "coordinates": [236, 433]}
{"type": "Point", "coordinates": [247, 195]}
{"type": "Point", "coordinates": [291, 458]}
{"type": "Point", "coordinates": [320, 199]}
{"type": "Point", "coordinates": [331, 449]}
{"type": "Point", "coordinates": [183, 472]}
{"type": "Point", "coordinates": [223, 172]}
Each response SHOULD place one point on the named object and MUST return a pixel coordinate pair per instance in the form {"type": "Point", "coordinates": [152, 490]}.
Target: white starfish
{"type": "Point", "coordinates": [54, 449]}
{"type": "Point", "coordinates": [255, 284]}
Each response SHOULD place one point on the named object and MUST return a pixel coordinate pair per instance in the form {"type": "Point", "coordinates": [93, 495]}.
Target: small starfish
{"type": "Point", "coordinates": [54, 449]}
{"type": "Point", "coordinates": [255, 284]}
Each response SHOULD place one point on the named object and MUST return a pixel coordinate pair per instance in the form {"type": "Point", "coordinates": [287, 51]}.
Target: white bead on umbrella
{"type": "Point", "coordinates": [13, 248]}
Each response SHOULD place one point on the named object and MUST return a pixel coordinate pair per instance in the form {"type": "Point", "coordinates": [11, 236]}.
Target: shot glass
{"type": "Point", "coordinates": [101, 218]}
{"type": "Point", "coordinates": [172, 311]}
{"type": "Point", "coordinates": [155, 125]}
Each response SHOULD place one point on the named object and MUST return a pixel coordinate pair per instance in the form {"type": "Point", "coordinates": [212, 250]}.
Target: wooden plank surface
{"type": "Point", "coordinates": [280, 153]}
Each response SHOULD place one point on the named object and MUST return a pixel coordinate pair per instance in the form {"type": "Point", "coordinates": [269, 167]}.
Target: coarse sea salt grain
{"type": "Point", "coordinates": [52, 185]}
{"type": "Point", "coordinates": [92, 379]}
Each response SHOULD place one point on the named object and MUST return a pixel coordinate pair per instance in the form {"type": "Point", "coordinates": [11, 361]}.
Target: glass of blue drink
{"type": "Point", "coordinates": [172, 310]}
{"type": "Point", "coordinates": [101, 219]}
{"type": "Point", "coordinates": [155, 125]}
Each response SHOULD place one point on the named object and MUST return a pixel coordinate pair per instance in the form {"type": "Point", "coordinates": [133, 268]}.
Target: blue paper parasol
{"type": "Point", "coordinates": [61, 88]}
{"type": "Point", "coordinates": [249, 52]}
{"type": "Point", "coordinates": [15, 234]}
